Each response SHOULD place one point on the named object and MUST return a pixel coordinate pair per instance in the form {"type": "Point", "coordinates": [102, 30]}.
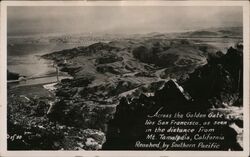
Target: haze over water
{"type": "Point", "coordinates": [41, 21]}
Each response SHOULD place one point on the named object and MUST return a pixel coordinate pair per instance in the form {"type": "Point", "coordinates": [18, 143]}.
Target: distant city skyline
{"type": "Point", "coordinates": [33, 20]}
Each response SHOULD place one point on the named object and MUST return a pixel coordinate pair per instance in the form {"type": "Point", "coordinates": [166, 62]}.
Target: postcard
{"type": "Point", "coordinates": [124, 78]}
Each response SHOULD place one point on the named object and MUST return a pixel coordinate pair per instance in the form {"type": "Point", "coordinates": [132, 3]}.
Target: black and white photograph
{"type": "Point", "coordinates": [126, 77]}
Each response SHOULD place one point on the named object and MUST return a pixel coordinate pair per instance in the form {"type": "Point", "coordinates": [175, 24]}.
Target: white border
{"type": "Point", "coordinates": [3, 87]}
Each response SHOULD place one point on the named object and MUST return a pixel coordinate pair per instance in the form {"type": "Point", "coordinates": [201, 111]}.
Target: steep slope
{"type": "Point", "coordinates": [138, 72]}
{"type": "Point", "coordinates": [105, 72]}
{"type": "Point", "coordinates": [219, 84]}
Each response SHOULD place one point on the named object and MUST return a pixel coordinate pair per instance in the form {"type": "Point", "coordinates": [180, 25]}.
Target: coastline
{"type": "Point", "coordinates": [89, 100]}
{"type": "Point", "coordinates": [36, 79]}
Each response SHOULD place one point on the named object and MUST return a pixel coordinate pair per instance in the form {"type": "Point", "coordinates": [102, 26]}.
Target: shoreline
{"type": "Point", "coordinates": [82, 106]}
{"type": "Point", "coordinates": [31, 91]}
{"type": "Point", "coordinates": [39, 79]}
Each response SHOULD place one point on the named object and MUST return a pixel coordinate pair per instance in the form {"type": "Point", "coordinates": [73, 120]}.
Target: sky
{"type": "Point", "coordinates": [24, 20]}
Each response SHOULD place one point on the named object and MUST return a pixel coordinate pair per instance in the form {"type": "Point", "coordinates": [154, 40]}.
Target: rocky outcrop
{"type": "Point", "coordinates": [30, 128]}
{"type": "Point", "coordinates": [141, 78]}
{"type": "Point", "coordinates": [216, 85]}
{"type": "Point", "coordinates": [222, 78]}
{"type": "Point", "coordinates": [140, 74]}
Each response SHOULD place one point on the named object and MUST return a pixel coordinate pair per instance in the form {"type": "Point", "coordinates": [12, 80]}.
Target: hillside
{"type": "Point", "coordinates": [214, 87]}
{"type": "Point", "coordinates": [107, 70]}
{"type": "Point", "coordinates": [224, 32]}
{"type": "Point", "coordinates": [119, 81]}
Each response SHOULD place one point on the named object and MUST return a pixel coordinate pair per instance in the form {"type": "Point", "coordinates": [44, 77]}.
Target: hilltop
{"type": "Point", "coordinates": [131, 74]}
